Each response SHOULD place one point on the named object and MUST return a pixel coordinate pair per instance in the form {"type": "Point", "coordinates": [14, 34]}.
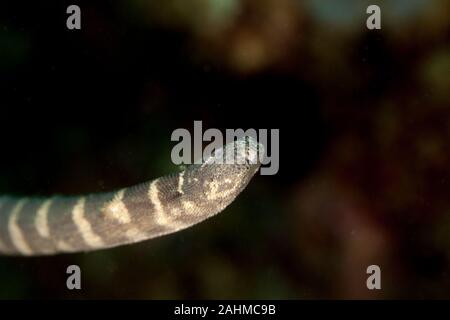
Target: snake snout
{"type": "Point", "coordinates": [247, 150]}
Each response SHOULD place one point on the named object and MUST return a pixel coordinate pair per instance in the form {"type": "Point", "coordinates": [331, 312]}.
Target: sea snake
{"type": "Point", "coordinates": [65, 224]}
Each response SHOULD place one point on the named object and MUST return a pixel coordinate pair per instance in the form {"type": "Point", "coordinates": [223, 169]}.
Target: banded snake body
{"type": "Point", "coordinates": [64, 224]}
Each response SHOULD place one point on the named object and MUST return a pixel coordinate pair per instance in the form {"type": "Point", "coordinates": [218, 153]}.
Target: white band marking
{"type": "Point", "coordinates": [153, 194]}
{"type": "Point", "coordinates": [15, 232]}
{"type": "Point", "coordinates": [116, 209]}
{"type": "Point", "coordinates": [181, 182]}
{"type": "Point", "coordinates": [41, 221]}
{"type": "Point", "coordinates": [135, 235]}
{"type": "Point", "coordinates": [64, 246]}
{"type": "Point", "coordinates": [83, 225]}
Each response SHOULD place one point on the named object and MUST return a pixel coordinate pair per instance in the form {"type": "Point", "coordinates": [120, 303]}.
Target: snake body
{"type": "Point", "coordinates": [64, 224]}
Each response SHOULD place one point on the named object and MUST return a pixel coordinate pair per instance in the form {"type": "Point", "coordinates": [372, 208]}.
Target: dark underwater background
{"type": "Point", "coordinates": [364, 118]}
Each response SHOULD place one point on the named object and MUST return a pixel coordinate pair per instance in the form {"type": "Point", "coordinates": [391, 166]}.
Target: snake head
{"type": "Point", "coordinates": [224, 174]}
